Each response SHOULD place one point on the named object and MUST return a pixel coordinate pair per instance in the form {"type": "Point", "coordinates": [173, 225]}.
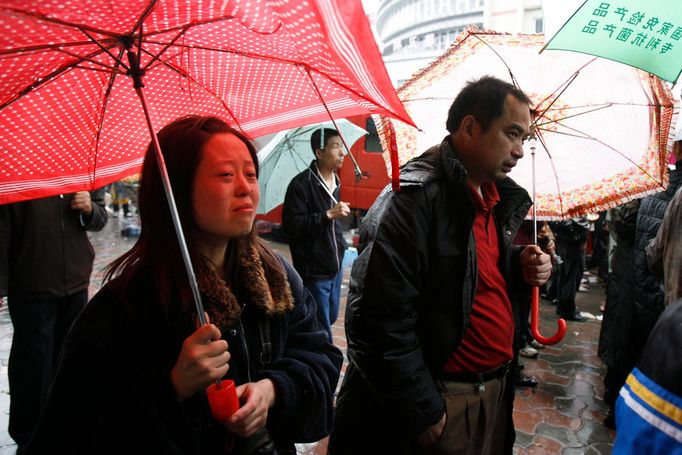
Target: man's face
{"type": "Point", "coordinates": [331, 157]}
{"type": "Point", "coordinates": [495, 152]}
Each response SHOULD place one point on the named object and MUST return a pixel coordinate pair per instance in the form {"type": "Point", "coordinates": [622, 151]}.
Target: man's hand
{"type": "Point", "coordinates": [429, 436]}
{"type": "Point", "coordinates": [341, 209]}
{"type": "Point", "coordinates": [536, 265]}
{"type": "Point", "coordinates": [81, 201]}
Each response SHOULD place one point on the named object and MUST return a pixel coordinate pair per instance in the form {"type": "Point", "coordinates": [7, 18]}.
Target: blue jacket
{"type": "Point", "coordinates": [649, 407]}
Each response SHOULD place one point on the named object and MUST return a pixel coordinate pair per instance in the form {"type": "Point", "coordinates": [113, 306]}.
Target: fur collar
{"type": "Point", "coordinates": [270, 294]}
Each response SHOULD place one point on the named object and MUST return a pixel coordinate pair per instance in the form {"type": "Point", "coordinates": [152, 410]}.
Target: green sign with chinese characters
{"type": "Point", "coordinates": [646, 34]}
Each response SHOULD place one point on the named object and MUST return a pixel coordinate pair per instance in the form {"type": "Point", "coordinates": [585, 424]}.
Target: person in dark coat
{"type": "Point", "coordinates": [311, 218]}
{"type": "Point", "coordinates": [617, 340]}
{"type": "Point", "coordinates": [45, 266]}
{"type": "Point", "coordinates": [429, 322]}
{"type": "Point", "coordinates": [134, 366]}
{"type": "Point", "coordinates": [635, 296]}
{"type": "Point", "coordinates": [664, 252]}
{"type": "Point", "coordinates": [648, 287]}
{"type": "Point", "coordinates": [571, 238]}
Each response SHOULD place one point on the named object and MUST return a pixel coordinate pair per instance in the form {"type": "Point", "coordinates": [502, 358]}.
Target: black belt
{"type": "Point", "coordinates": [477, 378]}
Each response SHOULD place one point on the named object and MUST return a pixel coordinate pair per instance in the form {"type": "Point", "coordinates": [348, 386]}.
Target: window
{"type": "Point", "coordinates": [539, 25]}
{"type": "Point", "coordinates": [372, 142]}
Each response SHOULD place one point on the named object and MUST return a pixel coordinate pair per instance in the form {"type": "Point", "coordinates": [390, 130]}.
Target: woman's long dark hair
{"type": "Point", "coordinates": [157, 251]}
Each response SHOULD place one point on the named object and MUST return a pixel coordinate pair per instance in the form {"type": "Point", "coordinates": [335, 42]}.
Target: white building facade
{"type": "Point", "coordinates": [412, 33]}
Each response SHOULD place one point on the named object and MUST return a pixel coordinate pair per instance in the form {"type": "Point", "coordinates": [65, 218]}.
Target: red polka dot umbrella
{"type": "Point", "coordinates": [74, 114]}
{"type": "Point", "coordinates": [70, 118]}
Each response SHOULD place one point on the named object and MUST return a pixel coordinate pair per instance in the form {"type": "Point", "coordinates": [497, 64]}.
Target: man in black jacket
{"type": "Point", "coordinates": [311, 217]}
{"type": "Point", "coordinates": [429, 321]}
{"type": "Point", "coordinates": [45, 265]}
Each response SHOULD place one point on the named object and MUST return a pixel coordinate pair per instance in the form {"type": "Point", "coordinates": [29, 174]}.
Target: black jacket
{"type": "Point", "coordinates": [44, 250]}
{"type": "Point", "coordinates": [411, 292]}
{"type": "Point", "coordinates": [649, 301]}
{"type": "Point", "coordinates": [316, 242]}
{"type": "Point", "coordinates": [661, 359]}
{"type": "Point", "coordinates": [618, 343]}
{"type": "Point", "coordinates": [112, 392]}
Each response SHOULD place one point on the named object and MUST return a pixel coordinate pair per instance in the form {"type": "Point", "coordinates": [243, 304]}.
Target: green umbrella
{"type": "Point", "coordinates": [646, 34]}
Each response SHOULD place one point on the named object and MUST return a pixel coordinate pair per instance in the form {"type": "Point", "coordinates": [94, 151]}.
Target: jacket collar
{"type": "Point", "coordinates": [271, 293]}
{"type": "Point", "coordinates": [441, 162]}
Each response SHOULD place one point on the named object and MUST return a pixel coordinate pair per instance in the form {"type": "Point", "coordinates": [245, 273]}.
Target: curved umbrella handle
{"type": "Point", "coordinates": [535, 321]}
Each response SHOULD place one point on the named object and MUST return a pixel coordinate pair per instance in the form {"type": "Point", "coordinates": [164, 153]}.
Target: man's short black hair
{"type": "Point", "coordinates": [315, 138]}
{"type": "Point", "coordinates": [484, 99]}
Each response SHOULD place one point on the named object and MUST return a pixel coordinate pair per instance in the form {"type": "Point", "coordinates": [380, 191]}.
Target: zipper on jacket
{"type": "Point", "coordinates": [329, 193]}
{"type": "Point", "coordinates": [245, 347]}
{"type": "Point", "coordinates": [336, 247]}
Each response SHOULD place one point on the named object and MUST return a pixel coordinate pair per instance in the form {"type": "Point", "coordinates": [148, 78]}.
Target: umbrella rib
{"type": "Point", "coordinates": [91, 60]}
{"type": "Point", "coordinates": [558, 120]}
{"type": "Point", "coordinates": [164, 49]}
{"type": "Point", "coordinates": [186, 74]}
{"type": "Point", "coordinates": [358, 171]}
{"type": "Point", "coordinates": [563, 133]}
{"type": "Point", "coordinates": [97, 43]}
{"type": "Point", "coordinates": [216, 19]}
{"type": "Point", "coordinates": [105, 103]}
{"type": "Point", "coordinates": [54, 20]}
{"type": "Point", "coordinates": [231, 51]}
{"type": "Point", "coordinates": [43, 47]}
{"type": "Point", "coordinates": [583, 135]}
{"type": "Point", "coordinates": [301, 65]}
{"type": "Point", "coordinates": [563, 86]}
{"type": "Point", "coordinates": [556, 175]}
{"type": "Point", "coordinates": [596, 108]}
{"type": "Point", "coordinates": [44, 80]}
{"type": "Point", "coordinates": [514, 81]}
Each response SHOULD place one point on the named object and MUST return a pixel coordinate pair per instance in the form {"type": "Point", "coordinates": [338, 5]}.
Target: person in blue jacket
{"type": "Point", "coordinates": [649, 408]}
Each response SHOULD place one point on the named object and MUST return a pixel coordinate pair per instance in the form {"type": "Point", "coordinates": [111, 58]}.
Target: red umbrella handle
{"type": "Point", "coordinates": [222, 399]}
{"type": "Point", "coordinates": [535, 321]}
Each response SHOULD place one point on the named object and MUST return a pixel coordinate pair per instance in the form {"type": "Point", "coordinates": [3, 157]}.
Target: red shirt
{"type": "Point", "coordinates": [487, 343]}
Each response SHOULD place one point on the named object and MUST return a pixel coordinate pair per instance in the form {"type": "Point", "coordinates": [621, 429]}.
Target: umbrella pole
{"type": "Point", "coordinates": [222, 395]}
{"type": "Point", "coordinates": [194, 286]}
{"type": "Point", "coordinates": [535, 290]}
{"type": "Point", "coordinates": [358, 171]}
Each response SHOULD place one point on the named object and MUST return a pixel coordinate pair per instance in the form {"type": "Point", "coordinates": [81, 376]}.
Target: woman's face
{"type": "Point", "coordinates": [225, 191]}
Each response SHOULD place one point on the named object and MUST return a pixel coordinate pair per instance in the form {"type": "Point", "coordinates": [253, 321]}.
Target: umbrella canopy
{"type": "Point", "coordinates": [603, 128]}
{"type": "Point", "coordinates": [70, 118]}
{"type": "Point", "coordinates": [288, 154]}
{"type": "Point", "coordinates": [645, 34]}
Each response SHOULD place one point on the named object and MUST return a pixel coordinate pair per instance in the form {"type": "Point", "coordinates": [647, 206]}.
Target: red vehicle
{"type": "Point", "coordinates": [360, 194]}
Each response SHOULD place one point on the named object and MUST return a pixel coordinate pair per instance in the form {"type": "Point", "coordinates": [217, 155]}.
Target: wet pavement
{"type": "Point", "coordinates": [563, 415]}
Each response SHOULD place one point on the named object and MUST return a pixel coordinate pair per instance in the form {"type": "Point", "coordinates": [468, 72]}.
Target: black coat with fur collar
{"type": "Point", "coordinates": [113, 394]}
